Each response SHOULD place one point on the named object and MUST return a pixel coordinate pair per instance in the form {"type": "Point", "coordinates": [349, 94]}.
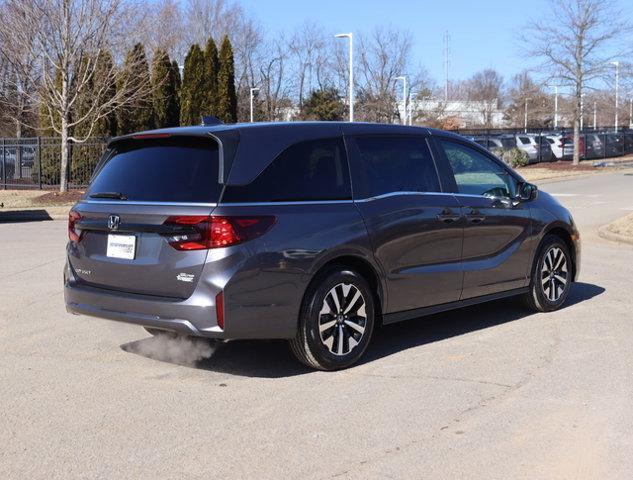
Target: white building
{"type": "Point", "coordinates": [468, 113]}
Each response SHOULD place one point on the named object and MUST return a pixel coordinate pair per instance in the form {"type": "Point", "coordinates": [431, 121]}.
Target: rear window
{"type": "Point", "coordinates": [162, 170]}
{"type": "Point", "coordinates": [308, 171]}
{"type": "Point", "coordinates": [524, 140]}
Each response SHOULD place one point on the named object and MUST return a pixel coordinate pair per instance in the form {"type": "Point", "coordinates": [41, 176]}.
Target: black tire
{"type": "Point", "coordinates": [540, 297]}
{"type": "Point", "coordinates": [310, 346]}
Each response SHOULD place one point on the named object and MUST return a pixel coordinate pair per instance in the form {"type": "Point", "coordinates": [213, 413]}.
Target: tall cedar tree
{"type": "Point", "coordinates": [211, 70]}
{"type": "Point", "coordinates": [164, 89]}
{"type": "Point", "coordinates": [175, 71]}
{"type": "Point", "coordinates": [105, 126]}
{"type": "Point", "coordinates": [192, 91]}
{"type": "Point", "coordinates": [227, 99]}
{"type": "Point", "coordinates": [137, 115]}
{"type": "Point", "coordinates": [84, 156]}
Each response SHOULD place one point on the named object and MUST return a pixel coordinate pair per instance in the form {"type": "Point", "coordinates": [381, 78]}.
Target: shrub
{"type": "Point", "coordinates": [514, 157]}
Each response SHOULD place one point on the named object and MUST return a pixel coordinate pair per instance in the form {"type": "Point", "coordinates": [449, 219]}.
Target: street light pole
{"type": "Point", "coordinates": [555, 106]}
{"type": "Point", "coordinates": [617, 88]}
{"type": "Point", "coordinates": [404, 98]}
{"type": "Point", "coordinates": [595, 115]}
{"type": "Point", "coordinates": [253, 90]}
{"type": "Point", "coordinates": [351, 72]}
{"type": "Point", "coordinates": [525, 121]}
{"type": "Point", "coordinates": [630, 113]}
{"type": "Point", "coordinates": [582, 111]}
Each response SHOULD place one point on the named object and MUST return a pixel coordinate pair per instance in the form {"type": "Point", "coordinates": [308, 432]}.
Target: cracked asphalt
{"type": "Point", "coordinates": [489, 392]}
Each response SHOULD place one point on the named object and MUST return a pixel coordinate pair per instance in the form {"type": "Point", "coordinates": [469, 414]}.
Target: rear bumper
{"type": "Point", "coordinates": [194, 316]}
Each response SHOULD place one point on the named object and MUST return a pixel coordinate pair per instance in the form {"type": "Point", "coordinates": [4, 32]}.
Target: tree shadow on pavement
{"type": "Point", "coordinates": [273, 359]}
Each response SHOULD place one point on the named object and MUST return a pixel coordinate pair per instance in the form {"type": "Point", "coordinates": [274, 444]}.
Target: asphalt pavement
{"type": "Point", "coordinates": [490, 392]}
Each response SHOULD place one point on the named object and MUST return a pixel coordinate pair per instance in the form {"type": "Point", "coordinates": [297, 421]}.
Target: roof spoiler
{"type": "Point", "coordinates": [210, 120]}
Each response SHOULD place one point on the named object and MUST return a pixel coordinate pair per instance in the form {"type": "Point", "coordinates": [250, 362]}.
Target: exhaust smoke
{"type": "Point", "coordinates": [181, 350]}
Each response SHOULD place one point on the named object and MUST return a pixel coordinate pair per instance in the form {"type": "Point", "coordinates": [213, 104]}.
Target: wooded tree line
{"type": "Point", "coordinates": [84, 68]}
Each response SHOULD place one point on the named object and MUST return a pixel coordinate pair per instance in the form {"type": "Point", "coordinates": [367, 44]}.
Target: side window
{"type": "Point", "coordinates": [395, 164]}
{"type": "Point", "coordinates": [311, 170]}
{"type": "Point", "coordinates": [476, 174]}
{"type": "Point", "coordinates": [524, 140]}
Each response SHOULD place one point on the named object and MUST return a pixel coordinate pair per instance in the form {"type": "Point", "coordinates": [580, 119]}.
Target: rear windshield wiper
{"type": "Point", "coordinates": [115, 195]}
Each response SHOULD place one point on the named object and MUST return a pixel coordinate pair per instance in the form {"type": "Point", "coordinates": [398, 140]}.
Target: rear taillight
{"type": "Point", "coordinates": [219, 309]}
{"type": "Point", "coordinates": [73, 218]}
{"type": "Point", "coordinates": [200, 233]}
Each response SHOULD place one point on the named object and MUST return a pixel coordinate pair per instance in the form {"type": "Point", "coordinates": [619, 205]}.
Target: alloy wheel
{"type": "Point", "coordinates": [554, 273]}
{"type": "Point", "coordinates": [342, 319]}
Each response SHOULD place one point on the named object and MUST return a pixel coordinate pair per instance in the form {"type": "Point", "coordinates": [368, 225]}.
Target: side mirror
{"type": "Point", "coordinates": [527, 191]}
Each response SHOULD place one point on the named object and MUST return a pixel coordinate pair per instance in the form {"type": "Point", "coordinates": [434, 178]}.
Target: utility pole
{"type": "Point", "coordinates": [617, 88]}
{"type": "Point", "coordinates": [404, 98]}
{"type": "Point", "coordinates": [582, 111]}
{"type": "Point", "coordinates": [446, 64]}
{"type": "Point", "coordinates": [595, 115]}
{"type": "Point", "coordinates": [253, 90]}
{"type": "Point", "coordinates": [630, 112]}
{"type": "Point", "coordinates": [555, 106]}
{"type": "Point", "coordinates": [525, 122]}
{"type": "Point", "coordinates": [350, 36]}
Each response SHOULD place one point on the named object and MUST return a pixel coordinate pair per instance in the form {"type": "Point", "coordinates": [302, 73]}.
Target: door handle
{"type": "Point", "coordinates": [448, 216]}
{"type": "Point", "coordinates": [474, 216]}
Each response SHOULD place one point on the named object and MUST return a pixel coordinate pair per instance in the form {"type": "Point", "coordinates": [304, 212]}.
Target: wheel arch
{"type": "Point", "coordinates": [561, 231]}
{"type": "Point", "coordinates": [360, 265]}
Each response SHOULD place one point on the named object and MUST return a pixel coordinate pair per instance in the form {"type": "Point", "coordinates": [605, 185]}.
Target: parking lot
{"type": "Point", "coordinates": [485, 392]}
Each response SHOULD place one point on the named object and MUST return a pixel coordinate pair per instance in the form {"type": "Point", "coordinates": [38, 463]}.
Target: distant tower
{"type": "Point", "coordinates": [446, 63]}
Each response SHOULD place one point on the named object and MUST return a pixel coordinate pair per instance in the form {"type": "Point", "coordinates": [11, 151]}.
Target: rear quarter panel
{"type": "Point", "coordinates": [263, 295]}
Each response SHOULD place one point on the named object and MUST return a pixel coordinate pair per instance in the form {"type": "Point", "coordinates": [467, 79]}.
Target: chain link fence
{"type": "Point", "coordinates": [32, 163]}
{"type": "Point", "coordinates": [543, 145]}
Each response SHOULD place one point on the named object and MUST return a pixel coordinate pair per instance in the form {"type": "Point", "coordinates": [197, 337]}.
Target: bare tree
{"type": "Point", "coordinates": [486, 89]}
{"type": "Point", "coordinates": [523, 88]}
{"type": "Point", "coordinates": [274, 87]}
{"type": "Point", "coordinates": [18, 61]}
{"type": "Point", "coordinates": [69, 36]}
{"type": "Point", "coordinates": [577, 48]}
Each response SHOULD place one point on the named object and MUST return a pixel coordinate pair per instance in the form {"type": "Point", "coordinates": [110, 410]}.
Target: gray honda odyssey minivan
{"type": "Point", "coordinates": [311, 232]}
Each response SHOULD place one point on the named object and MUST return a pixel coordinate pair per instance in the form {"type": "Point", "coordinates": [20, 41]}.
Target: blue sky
{"type": "Point", "coordinates": [483, 33]}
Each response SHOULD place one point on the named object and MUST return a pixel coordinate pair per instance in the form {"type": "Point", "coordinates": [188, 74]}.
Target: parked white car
{"type": "Point", "coordinates": [557, 145]}
{"type": "Point", "coordinates": [530, 145]}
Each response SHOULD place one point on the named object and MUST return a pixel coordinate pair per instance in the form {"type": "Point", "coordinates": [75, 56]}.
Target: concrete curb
{"type": "Point", "coordinates": [614, 237]}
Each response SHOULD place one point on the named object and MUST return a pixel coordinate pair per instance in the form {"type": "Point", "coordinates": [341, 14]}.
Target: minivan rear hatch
{"type": "Point", "coordinates": [137, 226]}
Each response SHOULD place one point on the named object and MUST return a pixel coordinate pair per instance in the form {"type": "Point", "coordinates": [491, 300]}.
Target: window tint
{"type": "Point", "coordinates": [168, 170]}
{"type": "Point", "coordinates": [395, 164]}
{"type": "Point", "coordinates": [312, 170]}
{"type": "Point", "coordinates": [524, 140]}
{"type": "Point", "coordinates": [477, 174]}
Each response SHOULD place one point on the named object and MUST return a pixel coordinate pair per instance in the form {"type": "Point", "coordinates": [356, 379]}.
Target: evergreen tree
{"type": "Point", "coordinates": [85, 155]}
{"type": "Point", "coordinates": [227, 99]}
{"type": "Point", "coordinates": [175, 70]}
{"type": "Point", "coordinates": [211, 68]}
{"type": "Point", "coordinates": [137, 115]}
{"type": "Point", "coordinates": [192, 91]}
{"type": "Point", "coordinates": [164, 90]}
{"type": "Point", "coordinates": [323, 104]}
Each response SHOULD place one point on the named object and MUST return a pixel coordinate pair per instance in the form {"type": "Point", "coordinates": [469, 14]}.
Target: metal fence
{"type": "Point", "coordinates": [32, 163]}
{"type": "Point", "coordinates": [557, 144]}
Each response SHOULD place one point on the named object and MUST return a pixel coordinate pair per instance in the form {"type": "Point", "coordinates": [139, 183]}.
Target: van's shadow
{"type": "Point", "coordinates": [273, 359]}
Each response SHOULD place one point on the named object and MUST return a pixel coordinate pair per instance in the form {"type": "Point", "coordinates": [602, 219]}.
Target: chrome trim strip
{"type": "Point", "coordinates": [397, 194]}
{"type": "Point", "coordinates": [149, 204]}
{"type": "Point", "coordinates": [305, 202]}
